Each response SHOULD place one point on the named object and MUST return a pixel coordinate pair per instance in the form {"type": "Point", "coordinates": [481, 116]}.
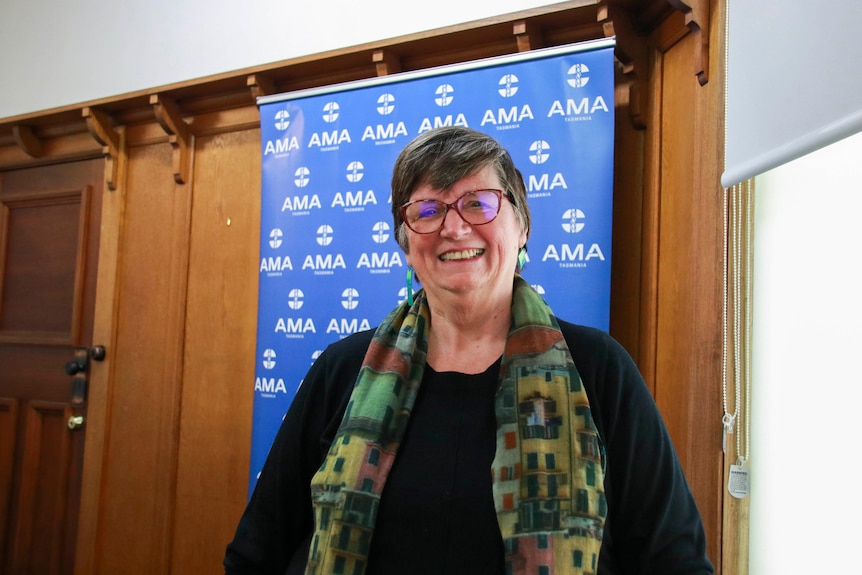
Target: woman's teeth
{"type": "Point", "coordinates": [462, 255]}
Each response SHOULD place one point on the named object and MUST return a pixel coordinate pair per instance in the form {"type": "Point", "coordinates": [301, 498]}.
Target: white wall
{"type": "Point", "coordinates": [55, 54]}
{"type": "Point", "coordinates": [806, 498]}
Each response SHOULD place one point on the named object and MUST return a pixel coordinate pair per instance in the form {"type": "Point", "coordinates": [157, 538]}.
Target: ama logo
{"type": "Point", "coordinates": [577, 255]}
{"type": "Point", "coordinates": [578, 109]}
{"type": "Point", "coordinates": [384, 133]}
{"type": "Point", "coordinates": [330, 112]}
{"type": "Point", "coordinates": [507, 118]}
{"type": "Point", "coordinates": [380, 262]}
{"type": "Point", "coordinates": [354, 201]}
{"type": "Point", "coordinates": [541, 185]}
{"type": "Point", "coordinates": [350, 298]}
{"type": "Point", "coordinates": [281, 147]}
{"type": "Point", "coordinates": [508, 85]}
{"type": "Point", "coordinates": [294, 327]}
{"type": "Point", "coordinates": [275, 266]}
{"type": "Point", "coordinates": [301, 205]}
{"type": "Point", "coordinates": [578, 76]}
{"type": "Point", "coordinates": [344, 327]}
{"type": "Point", "coordinates": [539, 152]}
{"type": "Point", "coordinates": [444, 95]}
{"type": "Point", "coordinates": [329, 141]}
{"type": "Point", "coordinates": [269, 386]}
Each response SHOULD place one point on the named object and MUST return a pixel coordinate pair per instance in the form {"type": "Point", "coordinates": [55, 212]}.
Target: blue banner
{"type": "Point", "coordinates": [329, 262]}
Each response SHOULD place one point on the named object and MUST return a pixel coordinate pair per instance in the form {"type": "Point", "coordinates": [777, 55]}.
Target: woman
{"type": "Point", "coordinates": [472, 431]}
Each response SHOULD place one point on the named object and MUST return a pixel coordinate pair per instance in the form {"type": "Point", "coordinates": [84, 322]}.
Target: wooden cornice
{"type": "Point", "coordinates": [100, 127]}
{"type": "Point", "coordinates": [179, 134]}
{"type": "Point", "coordinates": [27, 140]}
{"type": "Point", "coordinates": [31, 138]}
{"type": "Point", "coordinates": [696, 14]}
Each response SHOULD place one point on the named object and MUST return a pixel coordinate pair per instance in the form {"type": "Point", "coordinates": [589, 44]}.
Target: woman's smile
{"type": "Point", "coordinates": [461, 255]}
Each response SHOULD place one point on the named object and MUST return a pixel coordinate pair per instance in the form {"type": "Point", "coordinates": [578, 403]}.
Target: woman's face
{"type": "Point", "coordinates": [463, 259]}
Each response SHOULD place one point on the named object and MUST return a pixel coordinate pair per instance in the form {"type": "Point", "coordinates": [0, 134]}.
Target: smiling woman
{"type": "Point", "coordinates": [472, 431]}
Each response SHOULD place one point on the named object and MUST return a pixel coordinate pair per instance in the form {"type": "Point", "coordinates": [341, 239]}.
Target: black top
{"type": "Point", "coordinates": [436, 512]}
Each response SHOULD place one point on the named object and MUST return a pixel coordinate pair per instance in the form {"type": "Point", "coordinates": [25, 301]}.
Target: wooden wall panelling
{"type": "Point", "coordinates": [627, 239]}
{"type": "Point", "coordinates": [688, 315]}
{"type": "Point", "coordinates": [44, 486]}
{"type": "Point", "coordinates": [650, 224]}
{"type": "Point", "coordinates": [138, 473]}
{"type": "Point", "coordinates": [8, 436]}
{"type": "Point", "coordinates": [100, 395]}
{"type": "Point", "coordinates": [220, 348]}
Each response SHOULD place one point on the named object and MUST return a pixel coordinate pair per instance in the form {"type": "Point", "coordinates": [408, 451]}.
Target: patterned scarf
{"type": "Point", "coordinates": [548, 479]}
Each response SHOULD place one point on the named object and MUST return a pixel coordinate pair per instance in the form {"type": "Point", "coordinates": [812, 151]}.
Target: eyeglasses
{"type": "Point", "coordinates": [477, 208]}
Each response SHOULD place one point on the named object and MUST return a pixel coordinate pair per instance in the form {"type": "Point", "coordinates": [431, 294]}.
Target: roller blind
{"type": "Point", "coordinates": [794, 81]}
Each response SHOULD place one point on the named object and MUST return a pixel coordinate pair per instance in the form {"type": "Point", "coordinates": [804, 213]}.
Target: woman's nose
{"type": "Point", "coordinates": [453, 224]}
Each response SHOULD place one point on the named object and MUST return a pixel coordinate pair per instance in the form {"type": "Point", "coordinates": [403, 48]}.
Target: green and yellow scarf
{"type": "Point", "coordinates": [548, 478]}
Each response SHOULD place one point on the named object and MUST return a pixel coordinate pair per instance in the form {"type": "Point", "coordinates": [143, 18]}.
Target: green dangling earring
{"type": "Point", "coordinates": [522, 257]}
{"type": "Point", "coordinates": [410, 286]}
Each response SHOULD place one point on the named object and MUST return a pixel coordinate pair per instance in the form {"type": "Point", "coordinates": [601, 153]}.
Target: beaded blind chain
{"type": "Point", "coordinates": [737, 318]}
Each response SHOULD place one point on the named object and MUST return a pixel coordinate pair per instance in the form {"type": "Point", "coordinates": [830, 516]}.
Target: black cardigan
{"type": "Point", "coordinates": [653, 525]}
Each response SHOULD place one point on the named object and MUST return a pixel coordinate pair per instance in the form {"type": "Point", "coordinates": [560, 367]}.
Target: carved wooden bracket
{"type": "Point", "coordinates": [527, 35]}
{"type": "Point", "coordinates": [260, 85]}
{"type": "Point", "coordinates": [631, 53]}
{"type": "Point", "coordinates": [696, 14]}
{"type": "Point", "coordinates": [27, 140]}
{"type": "Point", "coordinates": [179, 134]}
{"type": "Point", "coordinates": [99, 125]}
{"type": "Point", "coordinates": [386, 62]}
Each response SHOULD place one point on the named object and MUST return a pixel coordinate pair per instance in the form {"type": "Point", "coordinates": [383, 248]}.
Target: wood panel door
{"type": "Point", "coordinates": [49, 239]}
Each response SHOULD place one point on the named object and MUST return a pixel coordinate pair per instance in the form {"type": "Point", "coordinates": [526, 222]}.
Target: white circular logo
{"type": "Point", "coordinates": [316, 354]}
{"type": "Point", "coordinates": [295, 298]}
{"type": "Point", "coordinates": [269, 358]}
{"type": "Point", "coordinates": [573, 220]}
{"type": "Point", "coordinates": [330, 112]}
{"type": "Point", "coordinates": [324, 235]}
{"type": "Point", "coordinates": [282, 120]}
{"type": "Point", "coordinates": [578, 76]}
{"type": "Point", "coordinates": [508, 85]}
{"type": "Point", "coordinates": [539, 289]}
{"type": "Point", "coordinates": [386, 104]}
{"type": "Point", "coordinates": [444, 94]}
{"type": "Point", "coordinates": [380, 232]}
{"type": "Point", "coordinates": [355, 171]}
{"type": "Point", "coordinates": [539, 152]}
{"type": "Point", "coordinates": [301, 176]}
{"type": "Point", "coordinates": [402, 294]}
{"type": "Point", "coordinates": [275, 238]}
{"type": "Point", "coordinates": [350, 298]}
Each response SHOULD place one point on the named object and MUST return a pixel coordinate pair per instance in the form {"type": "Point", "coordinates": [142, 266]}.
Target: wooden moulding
{"type": "Point", "coordinates": [386, 62]}
{"type": "Point", "coordinates": [179, 135]}
{"type": "Point", "coordinates": [696, 14]}
{"type": "Point", "coordinates": [631, 53]}
{"type": "Point", "coordinates": [528, 36]}
{"type": "Point", "coordinates": [99, 125]}
{"type": "Point", "coordinates": [27, 140]}
{"type": "Point", "coordinates": [260, 85]}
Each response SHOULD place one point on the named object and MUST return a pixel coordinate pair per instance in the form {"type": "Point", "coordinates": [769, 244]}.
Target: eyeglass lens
{"type": "Point", "coordinates": [476, 208]}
